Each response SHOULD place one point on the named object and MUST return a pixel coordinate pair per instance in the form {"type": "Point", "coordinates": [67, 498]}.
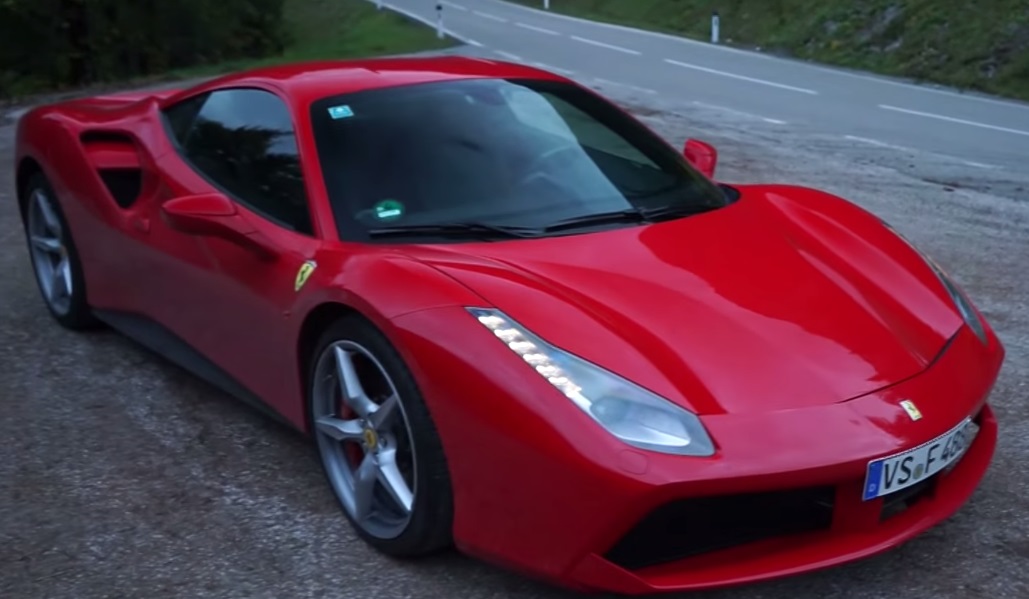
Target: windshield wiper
{"type": "Point", "coordinates": [671, 211]}
{"type": "Point", "coordinates": [629, 215]}
{"type": "Point", "coordinates": [636, 195]}
{"type": "Point", "coordinates": [471, 229]}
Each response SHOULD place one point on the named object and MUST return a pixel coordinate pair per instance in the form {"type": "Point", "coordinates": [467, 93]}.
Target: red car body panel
{"type": "Point", "coordinates": [663, 305]}
{"type": "Point", "coordinates": [791, 321]}
{"type": "Point", "coordinates": [552, 494]}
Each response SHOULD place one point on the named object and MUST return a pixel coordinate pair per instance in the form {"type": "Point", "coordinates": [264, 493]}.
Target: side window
{"type": "Point", "coordinates": [243, 141]}
{"type": "Point", "coordinates": [181, 116]}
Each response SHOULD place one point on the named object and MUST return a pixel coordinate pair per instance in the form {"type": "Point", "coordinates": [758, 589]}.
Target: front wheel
{"type": "Point", "coordinates": [378, 445]}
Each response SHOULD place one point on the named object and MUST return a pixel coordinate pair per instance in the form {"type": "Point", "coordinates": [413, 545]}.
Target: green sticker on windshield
{"type": "Point", "coordinates": [389, 210]}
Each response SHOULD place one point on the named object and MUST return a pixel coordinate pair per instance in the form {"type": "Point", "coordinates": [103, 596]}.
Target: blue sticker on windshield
{"type": "Point", "coordinates": [341, 112]}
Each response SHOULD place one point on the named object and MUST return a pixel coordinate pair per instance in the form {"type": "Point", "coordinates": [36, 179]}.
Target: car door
{"type": "Point", "coordinates": [233, 306]}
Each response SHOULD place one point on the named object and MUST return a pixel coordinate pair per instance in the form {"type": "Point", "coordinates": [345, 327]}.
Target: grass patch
{"type": "Point", "coordinates": [953, 42]}
{"type": "Point", "coordinates": [329, 29]}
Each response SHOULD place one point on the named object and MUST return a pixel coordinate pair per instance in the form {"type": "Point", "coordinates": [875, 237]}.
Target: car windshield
{"type": "Point", "coordinates": [495, 157]}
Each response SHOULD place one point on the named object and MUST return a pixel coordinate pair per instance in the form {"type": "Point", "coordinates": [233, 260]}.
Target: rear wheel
{"type": "Point", "coordinates": [378, 445]}
{"type": "Point", "coordinates": [55, 260]}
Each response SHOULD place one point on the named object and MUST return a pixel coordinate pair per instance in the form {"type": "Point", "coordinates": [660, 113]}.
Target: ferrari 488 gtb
{"type": "Point", "coordinates": [517, 321]}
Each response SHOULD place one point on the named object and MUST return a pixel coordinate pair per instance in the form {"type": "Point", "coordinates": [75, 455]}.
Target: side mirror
{"type": "Point", "coordinates": [701, 155]}
{"type": "Point", "coordinates": [214, 215]}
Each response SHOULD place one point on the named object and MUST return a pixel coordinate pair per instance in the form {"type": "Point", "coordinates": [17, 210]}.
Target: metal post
{"type": "Point", "coordinates": [546, 4]}
{"type": "Point", "coordinates": [440, 31]}
{"type": "Point", "coordinates": [715, 23]}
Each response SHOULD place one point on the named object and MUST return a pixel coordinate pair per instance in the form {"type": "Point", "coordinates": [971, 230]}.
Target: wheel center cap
{"type": "Point", "coordinates": [371, 440]}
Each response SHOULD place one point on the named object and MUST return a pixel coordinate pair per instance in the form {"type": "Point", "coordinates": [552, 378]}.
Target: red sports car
{"type": "Point", "coordinates": [517, 321]}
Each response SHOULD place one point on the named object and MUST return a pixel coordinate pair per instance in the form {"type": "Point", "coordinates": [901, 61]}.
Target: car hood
{"type": "Point", "coordinates": [785, 299]}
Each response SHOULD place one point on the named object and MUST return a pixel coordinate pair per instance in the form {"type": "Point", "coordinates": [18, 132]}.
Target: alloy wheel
{"type": "Point", "coordinates": [364, 439]}
{"type": "Point", "coordinates": [50, 259]}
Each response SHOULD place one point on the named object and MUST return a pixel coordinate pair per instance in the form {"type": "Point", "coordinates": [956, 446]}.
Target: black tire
{"type": "Point", "coordinates": [79, 316]}
{"type": "Point", "coordinates": [429, 529]}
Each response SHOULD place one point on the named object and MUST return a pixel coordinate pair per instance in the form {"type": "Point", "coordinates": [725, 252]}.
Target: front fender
{"type": "Point", "coordinates": [509, 436]}
{"type": "Point", "coordinates": [382, 287]}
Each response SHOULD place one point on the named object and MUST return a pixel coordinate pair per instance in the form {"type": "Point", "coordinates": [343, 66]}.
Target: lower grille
{"type": "Point", "coordinates": [899, 502]}
{"type": "Point", "coordinates": [690, 527]}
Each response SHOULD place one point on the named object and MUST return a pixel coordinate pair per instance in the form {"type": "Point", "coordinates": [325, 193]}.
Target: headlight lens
{"type": "Point", "coordinates": [627, 411]}
{"type": "Point", "coordinates": [961, 301]}
{"type": "Point", "coordinates": [964, 305]}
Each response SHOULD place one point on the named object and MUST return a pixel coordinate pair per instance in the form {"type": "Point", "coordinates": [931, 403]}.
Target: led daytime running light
{"type": "Point", "coordinates": [519, 344]}
{"type": "Point", "coordinates": [631, 413]}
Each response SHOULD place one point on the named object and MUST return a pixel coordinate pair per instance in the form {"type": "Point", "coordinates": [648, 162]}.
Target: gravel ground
{"type": "Point", "coordinates": [125, 477]}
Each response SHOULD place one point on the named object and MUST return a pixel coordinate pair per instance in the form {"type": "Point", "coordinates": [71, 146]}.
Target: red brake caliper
{"type": "Point", "coordinates": [353, 451]}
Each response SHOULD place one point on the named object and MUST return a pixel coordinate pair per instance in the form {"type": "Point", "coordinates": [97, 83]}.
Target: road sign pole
{"type": "Point", "coordinates": [440, 31]}
{"type": "Point", "coordinates": [715, 25]}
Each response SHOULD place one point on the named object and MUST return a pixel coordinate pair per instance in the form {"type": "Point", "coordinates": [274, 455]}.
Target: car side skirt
{"type": "Point", "coordinates": [155, 337]}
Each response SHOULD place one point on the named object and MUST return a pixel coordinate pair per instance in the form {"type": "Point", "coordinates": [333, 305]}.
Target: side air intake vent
{"type": "Point", "coordinates": [115, 157]}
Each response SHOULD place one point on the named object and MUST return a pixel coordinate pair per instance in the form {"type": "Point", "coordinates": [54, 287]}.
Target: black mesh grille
{"type": "Point", "coordinates": [897, 503]}
{"type": "Point", "coordinates": [691, 527]}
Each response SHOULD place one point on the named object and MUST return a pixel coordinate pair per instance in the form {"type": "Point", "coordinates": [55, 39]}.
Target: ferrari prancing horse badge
{"type": "Point", "coordinates": [913, 412]}
{"type": "Point", "coordinates": [304, 273]}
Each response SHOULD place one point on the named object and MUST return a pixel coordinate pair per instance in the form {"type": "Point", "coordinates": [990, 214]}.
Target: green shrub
{"type": "Point", "coordinates": [62, 43]}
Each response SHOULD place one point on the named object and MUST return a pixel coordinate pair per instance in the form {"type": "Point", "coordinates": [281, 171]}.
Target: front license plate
{"type": "Point", "coordinates": [902, 470]}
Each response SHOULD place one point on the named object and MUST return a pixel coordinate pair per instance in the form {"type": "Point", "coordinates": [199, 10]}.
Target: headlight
{"type": "Point", "coordinates": [627, 411]}
{"type": "Point", "coordinates": [964, 305]}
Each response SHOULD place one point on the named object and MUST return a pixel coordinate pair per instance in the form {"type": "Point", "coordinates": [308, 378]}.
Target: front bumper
{"type": "Point", "coordinates": [540, 489]}
{"type": "Point", "coordinates": [836, 528]}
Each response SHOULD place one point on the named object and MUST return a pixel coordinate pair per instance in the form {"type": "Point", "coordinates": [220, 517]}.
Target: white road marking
{"type": "Point", "coordinates": [951, 119]}
{"type": "Point", "coordinates": [917, 87]}
{"type": "Point", "coordinates": [453, 5]}
{"type": "Point", "coordinates": [489, 16]}
{"type": "Point", "coordinates": [882, 144]}
{"type": "Point", "coordinates": [614, 27]}
{"type": "Point", "coordinates": [687, 65]}
{"type": "Point", "coordinates": [509, 56]}
{"type": "Point", "coordinates": [605, 45]}
{"type": "Point", "coordinates": [548, 67]}
{"type": "Point", "coordinates": [739, 112]}
{"type": "Point", "coordinates": [625, 85]}
{"type": "Point", "coordinates": [979, 164]}
{"type": "Point", "coordinates": [429, 23]}
{"type": "Point", "coordinates": [876, 142]}
{"type": "Point", "coordinates": [537, 29]}
{"type": "Point", "coordinates": [758, 56]}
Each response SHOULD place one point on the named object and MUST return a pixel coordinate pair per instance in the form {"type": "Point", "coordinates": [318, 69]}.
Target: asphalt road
{"type": "Point", "coordinates": [861, 109]}
{"type": "Point", "coordinates": [124, 477]}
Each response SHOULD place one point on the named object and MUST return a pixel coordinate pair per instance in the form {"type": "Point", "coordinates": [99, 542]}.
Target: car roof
{"type": "Point", "coordinates": [305, 82]}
